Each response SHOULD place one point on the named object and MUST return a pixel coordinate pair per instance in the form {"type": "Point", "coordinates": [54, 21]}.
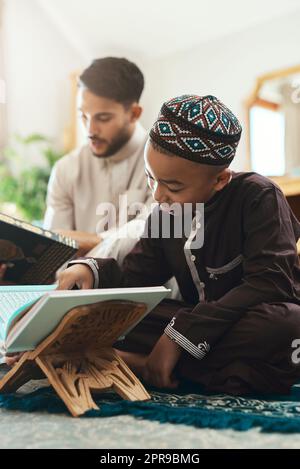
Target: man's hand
{"type": "Point", "coordinates": [3, 269]}
{"type": "Point", "coordinates": [79, 275]}
{"type": "Point", "coordinates": [86, 241]}
{"type": "Point", "coordinates": [161, 362]}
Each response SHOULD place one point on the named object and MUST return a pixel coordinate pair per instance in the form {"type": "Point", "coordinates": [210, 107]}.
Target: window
{"type": "Point", "coordinates": [267, 141]}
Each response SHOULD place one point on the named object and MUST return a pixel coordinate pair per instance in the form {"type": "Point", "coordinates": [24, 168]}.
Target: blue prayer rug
{"type": "Point", "coordinates": [271, 414]}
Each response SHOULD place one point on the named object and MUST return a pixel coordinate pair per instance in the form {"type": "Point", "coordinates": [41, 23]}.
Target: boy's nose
{"type": "Point", "coordinates": [159, 194]}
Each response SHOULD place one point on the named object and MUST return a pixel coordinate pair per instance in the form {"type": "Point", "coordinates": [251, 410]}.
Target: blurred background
{"type": "Point", "coordinates": [245, 53]}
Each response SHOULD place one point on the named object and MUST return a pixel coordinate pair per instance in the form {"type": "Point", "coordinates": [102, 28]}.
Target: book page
{"type": "Point", "coordinates": [14, 299]}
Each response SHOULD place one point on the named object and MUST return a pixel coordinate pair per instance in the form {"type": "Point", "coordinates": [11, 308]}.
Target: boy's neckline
{"type": "Point", "coordinates": [212, 202]}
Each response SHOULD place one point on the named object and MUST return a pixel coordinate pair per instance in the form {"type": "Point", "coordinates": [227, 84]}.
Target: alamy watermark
{"type": "Point", "coordinates": [169, 221]}
{"type": "Point", "coordinates": [296, 352]}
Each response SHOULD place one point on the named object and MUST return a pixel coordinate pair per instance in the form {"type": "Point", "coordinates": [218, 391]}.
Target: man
{"type": "Point", "coordinates": [110, 165]}
{"type": "Point", "coordinates": [241, 288]}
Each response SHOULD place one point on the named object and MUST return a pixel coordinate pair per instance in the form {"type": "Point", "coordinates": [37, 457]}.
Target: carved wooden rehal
{"type": "Point", "coordinates": [78, 357]}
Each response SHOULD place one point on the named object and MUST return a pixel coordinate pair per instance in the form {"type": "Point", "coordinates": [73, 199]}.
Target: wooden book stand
{"type": "Point", "coordinates": [78, 357]}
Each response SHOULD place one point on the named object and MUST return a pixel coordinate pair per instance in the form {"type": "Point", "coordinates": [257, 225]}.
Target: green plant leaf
{"type": "Point", "coordinates": [32, 138]}
{"type": "Point", "coordinates": [28, 188]}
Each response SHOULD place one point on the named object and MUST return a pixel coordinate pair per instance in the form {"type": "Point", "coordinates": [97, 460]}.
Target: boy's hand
{"type": "Point", "coordinates": [13, 359]}
{"type": "Point", "coordinates": [161, 362]}
{"type": "Point", "coordinates": [79, 275]}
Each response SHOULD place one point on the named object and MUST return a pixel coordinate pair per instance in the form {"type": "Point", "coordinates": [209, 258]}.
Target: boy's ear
{"type": "Point", "coordinates": [136, 112]}
{"type": "Point", "coordinates": [223, 179]}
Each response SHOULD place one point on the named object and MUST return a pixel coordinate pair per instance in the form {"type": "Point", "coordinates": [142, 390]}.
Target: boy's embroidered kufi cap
{"type": "Point", "coordinates": [198, 128]}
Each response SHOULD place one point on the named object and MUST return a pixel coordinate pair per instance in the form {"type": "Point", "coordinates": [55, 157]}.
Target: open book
{"type": "Point", "coordinates": [28, 314]}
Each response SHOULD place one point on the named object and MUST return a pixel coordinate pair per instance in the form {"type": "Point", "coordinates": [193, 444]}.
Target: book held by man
{"type": "Point", "coordinates": [28, 314]}
{"type": "Point", "coordinates": [32, 254]}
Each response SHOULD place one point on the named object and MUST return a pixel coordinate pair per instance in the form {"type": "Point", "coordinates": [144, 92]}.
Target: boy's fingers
{"type": "Point", "coordinates": [173, 384]}
{"type": "Point", "coordinates": [159, 379]}
{"type": "Point", "coordinates": [65, 284]}
{"type": "Point", "coordinates": [66, 281]}
{"type": "Point", "coordinates": [80, 275]}
{"type": "Point", "coordinates": [10, 361]}
{"type": "Point", "coordinates": [86, 285]}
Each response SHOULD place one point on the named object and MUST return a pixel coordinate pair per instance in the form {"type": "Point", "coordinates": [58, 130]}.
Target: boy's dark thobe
{"type": "Point", "coordinates": [241, 291]}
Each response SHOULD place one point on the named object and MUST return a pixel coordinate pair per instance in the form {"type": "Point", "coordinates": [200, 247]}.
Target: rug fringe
{"type": "Point", "coordinates": [45, 400]}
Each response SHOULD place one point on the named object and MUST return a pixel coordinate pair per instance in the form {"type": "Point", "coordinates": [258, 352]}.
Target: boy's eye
{"type": "Point", "coordinates": [174, 190]}
{"type": "Point", "coordinates": [151, 182]}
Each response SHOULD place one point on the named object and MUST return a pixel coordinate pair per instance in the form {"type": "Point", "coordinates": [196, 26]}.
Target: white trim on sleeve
{"type": "Point", "coordinates": [198, 351]}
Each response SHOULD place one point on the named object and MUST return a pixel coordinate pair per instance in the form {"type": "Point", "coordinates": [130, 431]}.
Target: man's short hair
{"type": "Point", "coordinates": [114, 78]}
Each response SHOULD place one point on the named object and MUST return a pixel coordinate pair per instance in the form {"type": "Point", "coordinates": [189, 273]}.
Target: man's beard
{"type": "Point", "coordinates": [115, 145]}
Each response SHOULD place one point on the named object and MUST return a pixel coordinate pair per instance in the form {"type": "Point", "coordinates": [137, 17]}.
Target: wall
{"type": "Point", "coordinates": [227, 68]}
{"type": "Point", "coordinates": [38, 61]}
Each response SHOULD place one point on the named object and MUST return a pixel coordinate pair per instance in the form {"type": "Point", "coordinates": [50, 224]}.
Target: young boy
{"type": "Point", "coordinates": [241, 312]}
